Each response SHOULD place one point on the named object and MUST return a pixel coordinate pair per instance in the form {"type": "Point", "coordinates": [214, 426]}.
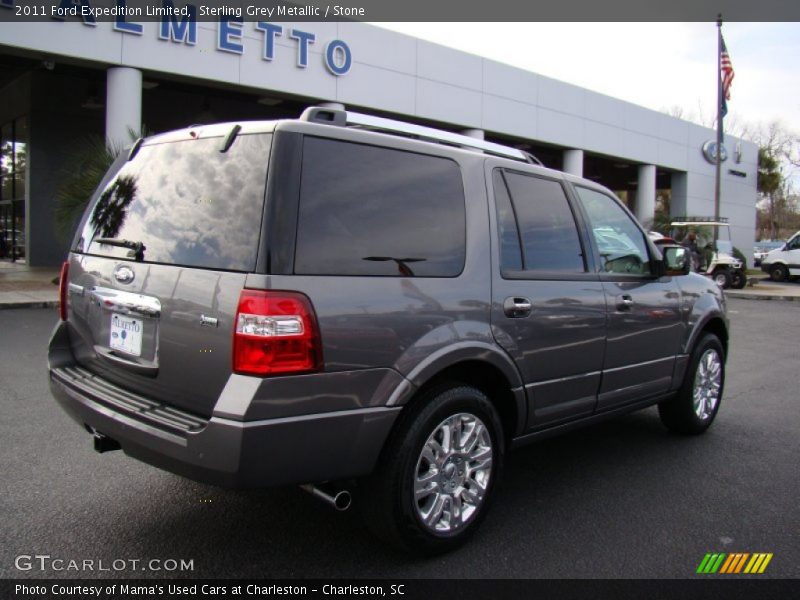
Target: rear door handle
{"type": "Point", "coordinates": [517, 307]}
{"type": "Point", "coordinates": [624, 302]}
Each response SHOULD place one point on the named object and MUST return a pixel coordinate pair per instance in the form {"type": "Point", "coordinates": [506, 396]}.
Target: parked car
{"type": "Point", "coordinates": [783, 263]}
{"type": "Point", "coordinates": [324, 302]}
{"type": "Point", "coordinates": [761, 249]}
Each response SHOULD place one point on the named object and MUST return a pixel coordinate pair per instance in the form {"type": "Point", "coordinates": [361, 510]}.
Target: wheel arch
{"type": "Point", "coordinates": [716, 325]}
{"type": "Point", "coordinates": [481, 366]}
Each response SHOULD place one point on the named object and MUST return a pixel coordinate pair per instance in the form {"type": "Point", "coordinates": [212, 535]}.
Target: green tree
{"type": "Point", "coordinates": [770, 186]}
{"type": "Point", "coordinates": [80, 177]}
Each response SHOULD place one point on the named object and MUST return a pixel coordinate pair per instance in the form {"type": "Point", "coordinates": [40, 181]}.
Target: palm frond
{"type": "Point", "coordinates": [81, 175]}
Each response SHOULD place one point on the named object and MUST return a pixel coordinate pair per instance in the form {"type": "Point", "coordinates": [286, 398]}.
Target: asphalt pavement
{"type": "Point", "coordinates": [621, 499]}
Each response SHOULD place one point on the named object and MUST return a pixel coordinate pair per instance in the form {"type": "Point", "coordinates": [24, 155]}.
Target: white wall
{"type": "Point", "coordinates": [400, 74]}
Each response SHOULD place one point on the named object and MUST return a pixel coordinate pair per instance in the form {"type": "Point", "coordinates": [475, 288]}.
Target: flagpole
{"type": "Point", "coordinates": [718, 161]}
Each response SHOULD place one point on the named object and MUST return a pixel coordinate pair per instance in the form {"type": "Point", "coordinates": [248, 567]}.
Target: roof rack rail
{"type": "Point", "coordinates": [334, 116]}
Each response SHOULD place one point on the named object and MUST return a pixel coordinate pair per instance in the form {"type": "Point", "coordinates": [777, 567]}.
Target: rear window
{"type": "Point", "coordinates": [184, 203]}
{"type": "Point", "coordinates": [366, 210]}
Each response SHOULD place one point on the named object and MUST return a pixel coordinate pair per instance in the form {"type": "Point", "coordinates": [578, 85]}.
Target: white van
{"type": "Point", "coordinates": [783, 263]}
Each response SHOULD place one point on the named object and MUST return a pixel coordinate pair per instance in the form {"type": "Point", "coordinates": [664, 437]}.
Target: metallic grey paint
{"type": "Point", "coordinates": [577, 356]}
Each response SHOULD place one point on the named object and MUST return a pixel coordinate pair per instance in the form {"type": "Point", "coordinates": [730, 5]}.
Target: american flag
{"type": "Point", "coordinates": [726, 74]}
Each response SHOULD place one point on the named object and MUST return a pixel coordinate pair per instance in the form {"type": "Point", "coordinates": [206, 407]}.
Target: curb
{"type": "Point", "coordinates": [30, 304]}
{"type": "Point", "coordinates": [761, 296]}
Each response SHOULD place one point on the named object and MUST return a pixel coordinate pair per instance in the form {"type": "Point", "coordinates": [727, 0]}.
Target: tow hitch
{"type": "Point", "coordinates": [103, 443]}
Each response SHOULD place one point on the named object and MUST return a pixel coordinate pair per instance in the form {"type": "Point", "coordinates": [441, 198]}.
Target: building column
{"type": "Point", "coordinates": [477, 134]}
{"type": "Point", "coordinates": [679, 197]}
{"type": "Point", "coordinates": [123, 105]}
{"type": "Point", "coordinates": [646, 194]}
{"type": "Point", "coordinates": [573, 162]}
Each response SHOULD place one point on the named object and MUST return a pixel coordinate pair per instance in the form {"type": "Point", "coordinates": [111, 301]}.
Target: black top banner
{"type": "Point", "coordinates": [92, 11]}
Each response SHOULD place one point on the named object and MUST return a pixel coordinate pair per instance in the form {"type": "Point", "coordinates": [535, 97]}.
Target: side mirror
{"type": "Point", "coordinates": [676, 260]}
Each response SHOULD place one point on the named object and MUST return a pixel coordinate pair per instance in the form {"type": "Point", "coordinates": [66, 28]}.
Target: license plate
{"type": "Point", "coordinates": [126, 334]}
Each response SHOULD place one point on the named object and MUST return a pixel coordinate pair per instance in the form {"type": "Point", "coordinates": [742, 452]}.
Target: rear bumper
{"type": "Point", "coordinates": [224, 451]}
{"type": "Point", "coordinates": [307, 449]}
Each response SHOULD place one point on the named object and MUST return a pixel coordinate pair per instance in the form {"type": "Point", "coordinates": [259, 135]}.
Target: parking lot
{"type": "Point", "coordinates": [621, 499]}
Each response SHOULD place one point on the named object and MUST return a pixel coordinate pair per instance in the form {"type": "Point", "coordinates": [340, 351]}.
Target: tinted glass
{"type": "Point", "coordinates": [546, 224]}
{"type": "Point", "coordinates": [366, 210]}
{"type": "Point", "coordinates": [510, 252]}
{"type": "Point", "coordinates": [619, 240]}
{"type": "Point", "coordinates": [19, 185]}
{"type": "Point", "coordinates": [6, 148]}
{"type": "Point", "coordinates": [7, 187]}
{"type": "Point", "coordinates": [21, 144]}
{"type": "Point", "coordinates": [187, 202]}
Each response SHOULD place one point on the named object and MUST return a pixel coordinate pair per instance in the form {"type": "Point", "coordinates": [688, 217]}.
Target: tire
{"type": "Point", "coordinates": [705, 378]}
{"type": "Point", "coordinates": [778, 272]}
{"type": "Point", "coordinates": [738, 279]}
{"type": "Point", "coordinates": [388, 501]}
{"type": "Point", "coordinates": [722, 277]}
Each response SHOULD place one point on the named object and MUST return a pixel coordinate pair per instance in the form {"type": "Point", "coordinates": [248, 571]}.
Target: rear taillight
{"type": "Point", "coordinates": [63, 284]}
{"type": "Point", "coordinates": [275, 334]}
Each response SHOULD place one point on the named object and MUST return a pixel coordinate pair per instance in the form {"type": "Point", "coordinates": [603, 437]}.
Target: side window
{"type": "Point", "coordinates": [366, 210]}
{"type": "Point", "coordinates": [510, 251]}
{"type": "Point", "coordinates": [794, 244]}
{"type": "Point", "coordinates": [544, 221]}
{"type": "Point", "coordinates": [619, 240]}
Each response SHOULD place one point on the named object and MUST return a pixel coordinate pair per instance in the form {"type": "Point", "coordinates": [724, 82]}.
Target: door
{"type": "Point", "coordinates": [792, 255]}
{"type": "Point", "coordinates": [548, 307]}
{"type": "Point", "coordinates": [644, 322]}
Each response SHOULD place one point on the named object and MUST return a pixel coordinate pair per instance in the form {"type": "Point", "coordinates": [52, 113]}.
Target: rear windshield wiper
{"type": "Point", "coordinates": [137, 248]}
{"type": "Point", "coordinates": [402, 263]}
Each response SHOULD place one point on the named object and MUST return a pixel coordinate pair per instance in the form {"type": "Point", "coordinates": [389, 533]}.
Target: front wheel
{"type": "Point", "coordinates": [722, 277]}
{"type": "Point", "coordinates": [738, 279]}
{"type": "Point", "coordinates": [696, 404]}
{"type": "Point", "coordinates": [778, 273]}
{"type": "Point", "coordinates": [436, 477]}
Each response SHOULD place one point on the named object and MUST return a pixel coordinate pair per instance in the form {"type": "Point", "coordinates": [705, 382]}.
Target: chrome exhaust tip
{"type": "Point", "coordinates": [340, 500]}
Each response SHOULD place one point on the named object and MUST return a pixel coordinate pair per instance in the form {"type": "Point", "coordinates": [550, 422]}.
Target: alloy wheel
{"type": "Point", "coordinates": [453, 473]}
{"type": "Point", "coordinates": [707, 384]}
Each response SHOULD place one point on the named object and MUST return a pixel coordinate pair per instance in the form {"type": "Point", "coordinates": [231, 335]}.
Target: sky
{"type": "Point", "coordinates": [657, 65]}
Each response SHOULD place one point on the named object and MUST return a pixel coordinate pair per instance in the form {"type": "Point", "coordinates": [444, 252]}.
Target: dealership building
{"type": "Point", "coordinates": [61, 80]}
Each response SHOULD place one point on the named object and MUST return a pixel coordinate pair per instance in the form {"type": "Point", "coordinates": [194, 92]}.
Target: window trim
{"type": "Point", "coordinates": [276, 248]}
{"type": "Point", "coordinates": [580, 226]}
{"type": "Point", "coordinates": [299, 192]}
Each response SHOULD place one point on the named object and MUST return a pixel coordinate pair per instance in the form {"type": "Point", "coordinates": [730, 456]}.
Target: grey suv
{"type": "Point", "coordinates": [363, 305]}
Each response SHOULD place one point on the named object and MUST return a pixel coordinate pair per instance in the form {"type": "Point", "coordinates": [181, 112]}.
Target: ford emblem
{"type": "Point", "coordinates": [124, 274]}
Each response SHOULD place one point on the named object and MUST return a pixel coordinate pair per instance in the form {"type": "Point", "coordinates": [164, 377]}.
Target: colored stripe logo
{"type": "Point", "coordinates": [737, 562]}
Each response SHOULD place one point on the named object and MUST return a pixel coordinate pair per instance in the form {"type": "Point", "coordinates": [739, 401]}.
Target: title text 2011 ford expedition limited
{"type": "Point", "coordinates": [353, 303]}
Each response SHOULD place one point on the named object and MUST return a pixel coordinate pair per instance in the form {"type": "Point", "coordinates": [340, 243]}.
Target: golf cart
{"type": "Point", "coordinates": [717, 262]}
